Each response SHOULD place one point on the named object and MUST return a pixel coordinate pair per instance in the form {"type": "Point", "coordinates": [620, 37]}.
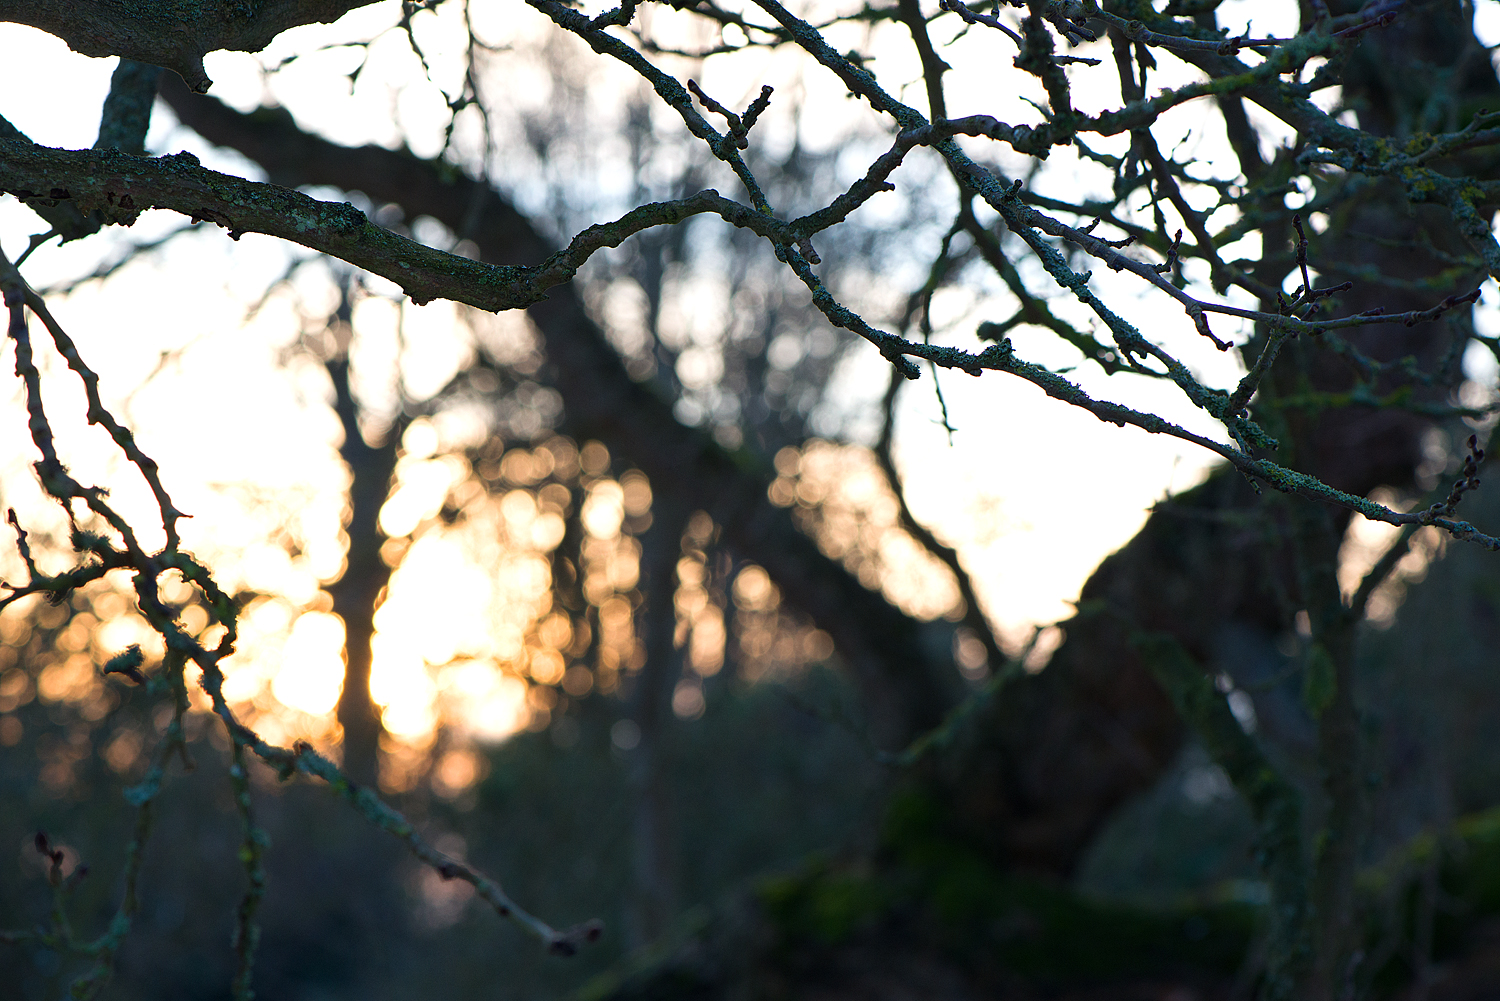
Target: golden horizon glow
{"type": "Point", "coordinates": [200, 353]}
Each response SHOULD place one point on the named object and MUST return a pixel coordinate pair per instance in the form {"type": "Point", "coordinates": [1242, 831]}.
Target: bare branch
{"type": "Point", "coordinates": [171, 35]}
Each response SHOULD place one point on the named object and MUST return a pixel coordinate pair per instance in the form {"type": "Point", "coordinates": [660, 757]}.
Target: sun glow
{"type": "Point", "coordinates": [312, 664]}
{"type": "Point", "coordinates": [471, 631]}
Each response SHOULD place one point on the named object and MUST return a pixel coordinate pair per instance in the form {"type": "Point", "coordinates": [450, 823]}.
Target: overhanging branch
{"type": "Point", "coordinates": [120, 187]}
{"type": "Point", "coordinates": [904, 667]}
{"type": "Point", "coordinates": [174, 34]}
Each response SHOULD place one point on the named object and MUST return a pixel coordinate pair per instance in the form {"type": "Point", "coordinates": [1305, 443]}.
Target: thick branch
{"type": "Point", "coordinates": [174, 34]}
{"type": "Point", "coordinates": [121, 187]}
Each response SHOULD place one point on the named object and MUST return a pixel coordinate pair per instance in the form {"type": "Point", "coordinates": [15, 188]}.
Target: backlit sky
{"type": "Point", "coordinates": [1032, 492]}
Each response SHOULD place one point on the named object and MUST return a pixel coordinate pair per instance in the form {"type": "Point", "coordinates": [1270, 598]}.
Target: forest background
{"type": "Point", "coordinates": [587, 656]}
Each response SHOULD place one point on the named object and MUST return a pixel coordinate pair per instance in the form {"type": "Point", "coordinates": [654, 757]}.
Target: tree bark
{"type": "Point", "coordinates": [173, 35]}
{"type": "Point", "coordinates": [357, 592]}
{"type": "Point", "coordinates": [655, 854]}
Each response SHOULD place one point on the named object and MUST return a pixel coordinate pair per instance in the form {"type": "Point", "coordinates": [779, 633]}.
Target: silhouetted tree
{"type": "Point", "coordinates": [1363, 228]}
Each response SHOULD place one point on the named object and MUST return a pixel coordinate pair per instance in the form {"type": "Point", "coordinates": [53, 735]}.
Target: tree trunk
{"type": "Point", "coordinates": [365, 576]}
{"type": "Point", "coordinates": [904, 667]}
{"type": "Point", "coordinates": [651, 708]}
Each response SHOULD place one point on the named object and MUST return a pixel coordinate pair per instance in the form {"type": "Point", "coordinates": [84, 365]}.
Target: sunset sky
{"type": "Point", "coordinates": [202, 363]}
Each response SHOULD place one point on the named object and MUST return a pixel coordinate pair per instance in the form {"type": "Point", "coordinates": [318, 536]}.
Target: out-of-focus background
{"type": "Point", "coordinates": [339, 447]}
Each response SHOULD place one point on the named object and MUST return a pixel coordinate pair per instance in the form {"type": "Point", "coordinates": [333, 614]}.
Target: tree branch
{"type": "Point", "coordinates": [174, 34]}
{"type": "Point", "coordinates": [908, 680]}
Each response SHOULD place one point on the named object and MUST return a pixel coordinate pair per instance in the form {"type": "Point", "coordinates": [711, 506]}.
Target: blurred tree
{"type": "Point", "coordinates": [667, 482]}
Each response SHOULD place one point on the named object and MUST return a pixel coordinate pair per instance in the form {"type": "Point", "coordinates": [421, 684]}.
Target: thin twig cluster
{"type": "Point", "coordinates": [115, 546]}
{"type": "Point", "coordinates": [79, 191]}
{"type": "Point", "coordinates": [1468, 479]}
